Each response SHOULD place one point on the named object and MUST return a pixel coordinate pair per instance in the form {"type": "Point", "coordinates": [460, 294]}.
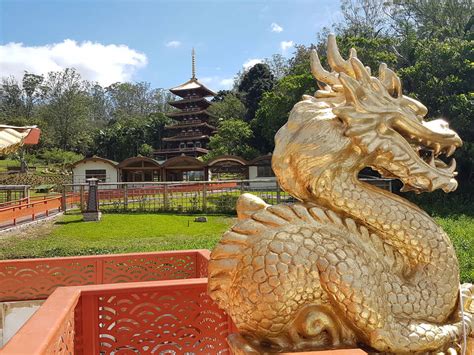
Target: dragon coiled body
{"type": "Point", "coordinates": [351, 263]}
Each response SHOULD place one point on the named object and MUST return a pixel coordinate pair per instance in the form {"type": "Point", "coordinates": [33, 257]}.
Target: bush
{"type": "Point", "coordinates": [59, 156]}
{"type": "Point", "coordinates": [224, 203]}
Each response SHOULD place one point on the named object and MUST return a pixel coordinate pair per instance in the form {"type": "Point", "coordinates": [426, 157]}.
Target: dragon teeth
{"type": "Point", "coordinates": [452, 165]}
{"type": "Point", "coordinates": [432, 161]}
{"type": "Point", "coordinates": [451, 151]}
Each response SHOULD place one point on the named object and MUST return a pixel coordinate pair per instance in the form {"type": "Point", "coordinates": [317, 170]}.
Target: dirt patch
{"type": "Point", "coordinates": [31, 230]}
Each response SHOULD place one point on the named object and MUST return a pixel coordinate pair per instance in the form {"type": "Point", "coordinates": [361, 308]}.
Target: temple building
{"type": "Point", "coordinates": [190, 133]}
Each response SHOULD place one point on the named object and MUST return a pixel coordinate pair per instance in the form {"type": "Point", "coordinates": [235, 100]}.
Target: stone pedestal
{"type": "Point", "coordinates": [92, 213]}
{"type": "Point", "coordinates": [92, 216]}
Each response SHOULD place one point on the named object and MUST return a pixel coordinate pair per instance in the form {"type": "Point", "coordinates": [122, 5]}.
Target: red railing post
{"type": "Point", "coordinates": [90, 324]}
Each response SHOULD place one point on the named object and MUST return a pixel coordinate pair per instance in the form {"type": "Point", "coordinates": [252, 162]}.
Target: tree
{"type": "Point", "coordinates": [254, 83]}
{"type": "Point", "coordinates": [12, 105]}
{"type": "Point", "coordinates": [66, 110]}
{"type": "Point", "coordinates": [220, 95]}
{"type": "Point", "coordinates": [136, 99]}
{"type": "Point", "coordinates": [232, 138]}
{"type": "Point", "coordinates": [275, 107]}
{"type": "Point", "coordinates": [31, 87]}
{"type": "Point", "coordinates": [146, 150]}
{"type": "Point", "coordinates": [278, 65]}
{"type": "Point", "coordinates": [229, 107]}
{"type": "Point", "coordinates": [363, 18]}
{"type": "Point", "coordinates": [432, 19]}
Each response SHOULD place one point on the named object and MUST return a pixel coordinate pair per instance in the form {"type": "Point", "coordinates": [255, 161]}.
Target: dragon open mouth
{"type": "Point", "coordinates": [428, 145]}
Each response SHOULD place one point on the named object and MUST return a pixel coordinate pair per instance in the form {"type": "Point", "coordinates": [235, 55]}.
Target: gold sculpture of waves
{"type": "Point", "coordinates": [350, 263]}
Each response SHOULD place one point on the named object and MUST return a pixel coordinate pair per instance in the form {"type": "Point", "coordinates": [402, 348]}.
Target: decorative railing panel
{"type": "Point", "coordinates": [149, 268]}
{"type": "Point", "coordinates": [161, 321]}
{"type": "Point", "coordinates": [31, 279]}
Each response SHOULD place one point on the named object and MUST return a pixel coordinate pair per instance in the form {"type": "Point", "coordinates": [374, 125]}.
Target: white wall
{"type": "Point", "coordinates": [79, 171]}
{"type": "Point", "coordinates": [263, 184]}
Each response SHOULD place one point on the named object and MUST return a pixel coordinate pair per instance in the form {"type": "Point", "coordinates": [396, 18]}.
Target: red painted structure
{"type": "Point", "coordinates": [29, 209]}
{"type": "Point", "coordinates": [119, 312]}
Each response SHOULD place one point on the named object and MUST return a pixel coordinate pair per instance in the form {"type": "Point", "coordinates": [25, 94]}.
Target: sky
{"type": "Point", "coordinates": [143, 40]}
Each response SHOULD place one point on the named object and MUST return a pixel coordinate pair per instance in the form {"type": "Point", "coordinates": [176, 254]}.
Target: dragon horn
{"type": "Point", "coordinates": [320, 73]}
{"type": "Point", "coordinates": [335, 60]}
{"type": "Point", "coordinates": [390, 80]}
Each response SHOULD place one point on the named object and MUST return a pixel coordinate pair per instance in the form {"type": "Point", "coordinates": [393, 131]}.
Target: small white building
{"type": "Point", "coordinates": [95, 167]}
{"type": "Point", "coordinates": [261, 169]}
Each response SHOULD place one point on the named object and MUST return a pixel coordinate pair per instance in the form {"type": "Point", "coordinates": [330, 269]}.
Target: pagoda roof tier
{"type": "Point", "coordinates": [190, 125]}
{"type": "Point", "coordinates": [188, 113]}
{"type": "Point", "coordinates": [200, 101]}
{"type": "Point", "coordinates": [185, 138]}
{"type": "Point", "coordinates": [192, 85]}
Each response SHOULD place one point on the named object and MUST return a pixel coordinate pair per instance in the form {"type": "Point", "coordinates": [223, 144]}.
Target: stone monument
{"type": "Point", "coordinates": [349, 264]}
{"type": "Point", "coordinates": [92, 213]}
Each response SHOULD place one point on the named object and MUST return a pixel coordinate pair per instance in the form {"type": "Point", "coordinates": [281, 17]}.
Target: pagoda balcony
{"type": "Point", "coordinates": [201, 151]}
{"type": "Point", "coordinates": [179, 137]}
{"type": "Point", "coordinates": [194, 111]}
{"type": "Point", "coordinates": [184, 123]}
{"type": "Point", "coordinates": [189, 134]}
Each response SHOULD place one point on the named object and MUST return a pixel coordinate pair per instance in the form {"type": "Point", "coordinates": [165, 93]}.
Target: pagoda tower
{"type": "Point", "coordinates": [190, 133]}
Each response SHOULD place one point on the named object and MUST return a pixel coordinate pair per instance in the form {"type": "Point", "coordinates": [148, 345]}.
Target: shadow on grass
{"type": "Point", "coordinates": [68, 222]}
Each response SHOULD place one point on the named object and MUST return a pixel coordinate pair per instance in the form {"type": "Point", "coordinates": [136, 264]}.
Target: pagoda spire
{"type": "Point", "coordinates": [193, 54]}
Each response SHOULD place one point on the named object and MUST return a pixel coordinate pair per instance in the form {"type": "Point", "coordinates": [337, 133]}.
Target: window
{"type": "Point", "coordinates": [265, 171]}
{"type": "Point", "coordinates": [197, 144]}
{"type": "Point", "coordinates": [97, 174]}
{"type": "Point", "coordinates": [182, 145]}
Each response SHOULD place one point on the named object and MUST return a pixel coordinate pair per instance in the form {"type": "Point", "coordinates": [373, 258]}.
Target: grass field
{"type": "Point", "coordinates": [124, 233]}
{"type": "Point", "coordinates": [115, 233]}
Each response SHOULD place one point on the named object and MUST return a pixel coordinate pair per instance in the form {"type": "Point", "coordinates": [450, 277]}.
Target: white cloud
{"type": "Point", "coordinates": [217, 82]}
{"type": "Point", "coordinates": [276, 27]}
{"type": "Point", "coordinates": [105, 64]}
{"type": "Point", "coordinates": [251, 62]}
{"type": "Point", "coordinates": [285, 45]}
{"type": "Point", "coordinates": [227, 83]}
{"type": "Point", "coordinates": [173, 44]}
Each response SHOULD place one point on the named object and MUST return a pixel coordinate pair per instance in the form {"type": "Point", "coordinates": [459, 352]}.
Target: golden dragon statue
{"type": "Point", "coordinates": [350, 264]}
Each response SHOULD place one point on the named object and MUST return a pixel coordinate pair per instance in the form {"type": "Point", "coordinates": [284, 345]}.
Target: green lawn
{"type": "Point", "coordinates": [116, 233]}
{"type": "Point", "coordinates": [125, 233]}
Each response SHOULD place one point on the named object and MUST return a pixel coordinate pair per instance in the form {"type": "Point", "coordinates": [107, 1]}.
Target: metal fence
{"type": "Point", "coordinates": [11, 193]}
{"type": "Point", "coordinates": [182, 197]}
{"type": "Point", "coordinates": [179, 197]}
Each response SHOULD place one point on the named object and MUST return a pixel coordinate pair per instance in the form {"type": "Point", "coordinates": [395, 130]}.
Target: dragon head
{"type": "Point", "coordinates": [367, 120]}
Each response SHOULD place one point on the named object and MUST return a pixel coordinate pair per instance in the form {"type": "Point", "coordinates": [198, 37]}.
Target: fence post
{"type": "Point", "coordinates": [90, 324]}
{"type": "Point", "coordinates": [165, 197]}
{"type": "Point", "coordinates": [63, 200]}
{"type": "Point", "coordinates": [125, 196]}
{"type": "Point", "coordinates": [81, 197]}
{"type": "Point", "coordinates": [26, 193]}
{"type": "Point", "coordinates": [278, 192]}
{"type": "Point", "coordinates": [204, 197]}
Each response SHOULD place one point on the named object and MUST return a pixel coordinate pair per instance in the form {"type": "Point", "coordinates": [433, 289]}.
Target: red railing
{"type": "Point", "coordinates": [155, 317]}
{"type": "Point", "coordinates": [32, 279]}
{"type": "Point", "coordinates": [174, 315]}
{"type": "Point", "coordinates": [29, 209]}
{"type": "Point", "coordinates": [162, 317]}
